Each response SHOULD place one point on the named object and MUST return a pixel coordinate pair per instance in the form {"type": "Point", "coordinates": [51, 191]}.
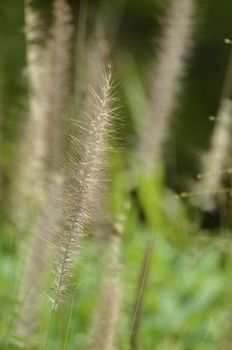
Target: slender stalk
{"type": "Point", "coordinates": [140, 295]}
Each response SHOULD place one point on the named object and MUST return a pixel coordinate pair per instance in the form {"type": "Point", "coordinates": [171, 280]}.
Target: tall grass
{"type": "Point", "coordinates": [30, 178]}
{"type": "Point", "coordinates": [87, 177]}
{"type": "Point", "coordinates": [140, 299]}
{"type": "Point", "coordinates": [169, 69]}
{"type": "Point", "coordinates": [107, 314]}
{"type": "Point", "coordinates": [48, 104]}
{"type": "Point", "coordinates": [216, 158]}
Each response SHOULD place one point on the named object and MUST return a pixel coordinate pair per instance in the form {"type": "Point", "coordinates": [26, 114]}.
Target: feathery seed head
{"type": "Point", "coordinates": [86, 180]}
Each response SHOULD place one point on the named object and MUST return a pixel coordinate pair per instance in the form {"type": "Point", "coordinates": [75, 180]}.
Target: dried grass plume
{"type": "Point", "coordinates": [168, 71]}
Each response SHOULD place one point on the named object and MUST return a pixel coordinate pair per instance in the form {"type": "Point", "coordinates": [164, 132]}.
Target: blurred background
{"type": "Point", "coordinates": [137, 32]}
{"type": "Point", "coordinates": [189, 291]}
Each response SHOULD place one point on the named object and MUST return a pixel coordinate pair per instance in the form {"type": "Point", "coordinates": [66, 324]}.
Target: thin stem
{"type": "Point", "coordinates": [140, 294]}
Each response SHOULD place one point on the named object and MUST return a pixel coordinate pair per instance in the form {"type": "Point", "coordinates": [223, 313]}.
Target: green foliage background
{"type": "Point", "coordinates": [188, 295]}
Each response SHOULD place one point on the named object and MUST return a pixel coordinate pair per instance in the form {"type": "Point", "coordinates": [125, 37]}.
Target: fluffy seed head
{"type": "Point", "coordinates": [86, 179]}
